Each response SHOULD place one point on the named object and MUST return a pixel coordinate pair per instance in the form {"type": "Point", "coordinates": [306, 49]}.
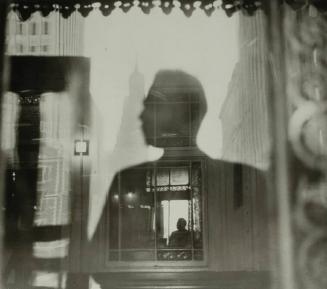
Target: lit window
{"type": "Point", "coordinates": [81, 147]}
{"type": "Point", "coordinates": [156, 214]}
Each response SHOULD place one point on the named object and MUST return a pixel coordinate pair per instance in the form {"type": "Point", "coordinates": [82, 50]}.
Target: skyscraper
{"type": "Point", "coordinates": [130, 146]}
{"type": "Point", "coordinates": [244, 114]}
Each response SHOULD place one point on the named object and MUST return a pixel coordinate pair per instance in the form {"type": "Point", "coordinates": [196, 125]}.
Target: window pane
{"type": "Point", "coordinates": [176, 232]}
{"type": "Point", "coordinates": [114, 221]}
{"type": "Point", "coordinates": [162, 177]}
{"type": "Point", "coordinates": [156, 215]}
{"type": "Point", "coordinates": [134, 221]}
{"type": "Point", "coordinates": [179, 176]}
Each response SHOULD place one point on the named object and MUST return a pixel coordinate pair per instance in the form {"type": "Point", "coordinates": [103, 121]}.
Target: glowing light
{"type": "Point", "coordinates": [81, 147]}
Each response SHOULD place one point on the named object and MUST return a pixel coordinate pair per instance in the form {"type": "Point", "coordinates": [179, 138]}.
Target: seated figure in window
{"type": "Point", "coordinates": [181, 238]}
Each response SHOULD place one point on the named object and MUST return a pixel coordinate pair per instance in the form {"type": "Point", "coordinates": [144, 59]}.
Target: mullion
{"type": "Point", "coordinates": [189, 119]}
{"type": "Point", "coordinates": [155, 172]}
{"type": "Point", "coordinates": [155, 213]}
{"type": "Point", "coordinates": [155, 128]}
{"type": "Point", "coordinates": [119, 217]}
{"type": "Point", "coordinates": [191, 197]}
{"type": "Point", "coordinates": [169, 190]}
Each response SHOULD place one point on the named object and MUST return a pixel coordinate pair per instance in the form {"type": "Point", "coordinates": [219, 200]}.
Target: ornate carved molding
{"type": "Point", "coordinates": [306, 68]}
{"type": "Point", "coordinates": [25, 8]}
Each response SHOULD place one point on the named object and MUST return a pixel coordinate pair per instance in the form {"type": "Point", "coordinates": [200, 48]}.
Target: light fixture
{"type": "Point", "coordinates": [81, 147]}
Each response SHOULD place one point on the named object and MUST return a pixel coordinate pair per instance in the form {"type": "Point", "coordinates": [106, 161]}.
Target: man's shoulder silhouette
{"type": "Point", "coordinates": [224, 167]}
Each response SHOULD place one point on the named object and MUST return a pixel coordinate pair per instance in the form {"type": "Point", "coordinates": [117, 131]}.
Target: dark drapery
{"type": "Point", "coordinates": [25, 8]}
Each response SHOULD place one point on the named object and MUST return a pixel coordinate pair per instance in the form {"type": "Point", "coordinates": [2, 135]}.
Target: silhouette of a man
{"type": "Point", "coordinates": [181, 238]}
{"type": "Point", "coordinates": [167, 113]}
{"type": "Point", "coordinates": [164, 118]}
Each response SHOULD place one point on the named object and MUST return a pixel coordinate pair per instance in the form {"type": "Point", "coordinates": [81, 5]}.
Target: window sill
{"type": "Point", "coordinates": [183, 280]}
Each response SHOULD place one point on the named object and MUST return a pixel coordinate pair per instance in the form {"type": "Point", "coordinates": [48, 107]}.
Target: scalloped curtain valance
{"type": "Point", "coordinates": [25, 8]}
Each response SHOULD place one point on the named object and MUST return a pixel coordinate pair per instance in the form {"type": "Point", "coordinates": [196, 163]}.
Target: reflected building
{"type": "Point", "coordinates": [51, 35]}
{"type": "Point", "coordinates": [130, 147]}
{"type": "Point", "coordinates": [244, 114]}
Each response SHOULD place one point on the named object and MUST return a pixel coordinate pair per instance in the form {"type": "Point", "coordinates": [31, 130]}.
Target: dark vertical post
{"type": "Point", "coordinates": [3, 21]}
{"type": "Point", "coordinates": [28, 146]}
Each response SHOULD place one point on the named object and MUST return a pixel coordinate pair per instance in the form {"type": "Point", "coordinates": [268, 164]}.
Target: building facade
{"type": "Point", "coordinates": [51, 35]}
{"type": "Point", "coordinates": [244, 114]}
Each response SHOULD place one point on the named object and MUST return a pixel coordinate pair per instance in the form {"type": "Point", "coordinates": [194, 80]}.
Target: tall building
{"type": "Point", "coordinates": [51, 35]}
{"type": "Point", "coordinates": [244, 114]}
{"type": "Point", "coordinates": [130, 146]}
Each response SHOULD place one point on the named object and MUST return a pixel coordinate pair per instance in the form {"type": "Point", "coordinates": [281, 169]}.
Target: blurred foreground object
{"type": "Point", "coordinates": [49, 101]}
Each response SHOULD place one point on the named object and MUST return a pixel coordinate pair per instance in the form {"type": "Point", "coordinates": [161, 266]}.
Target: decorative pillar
{"type": "Point", "coordinates": [298, 96]}
{"type": "Point", "coordinates": [37, 147]}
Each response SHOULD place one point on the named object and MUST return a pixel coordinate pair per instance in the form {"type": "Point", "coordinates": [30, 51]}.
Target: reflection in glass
{"type": "Point", "coordinates": [156, 213]}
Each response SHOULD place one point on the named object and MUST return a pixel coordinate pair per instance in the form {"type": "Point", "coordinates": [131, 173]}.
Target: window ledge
{"type": "Point", "coordinates": [184, 280]}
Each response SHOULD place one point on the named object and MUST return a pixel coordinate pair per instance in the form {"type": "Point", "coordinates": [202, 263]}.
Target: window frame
{"type": "Point", "coordinates": [169, 266]}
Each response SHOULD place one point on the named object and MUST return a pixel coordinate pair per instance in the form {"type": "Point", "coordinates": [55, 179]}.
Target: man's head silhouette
{"type": "Point", "coordinates": [174, 106]}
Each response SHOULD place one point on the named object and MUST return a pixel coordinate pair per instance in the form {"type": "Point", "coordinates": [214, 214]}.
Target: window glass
{"type": "Point", "coordinates": [158, 220]}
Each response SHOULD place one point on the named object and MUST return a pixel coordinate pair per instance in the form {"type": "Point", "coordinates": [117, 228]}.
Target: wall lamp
{"type": "Point", "coordinates": [81, 147]}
